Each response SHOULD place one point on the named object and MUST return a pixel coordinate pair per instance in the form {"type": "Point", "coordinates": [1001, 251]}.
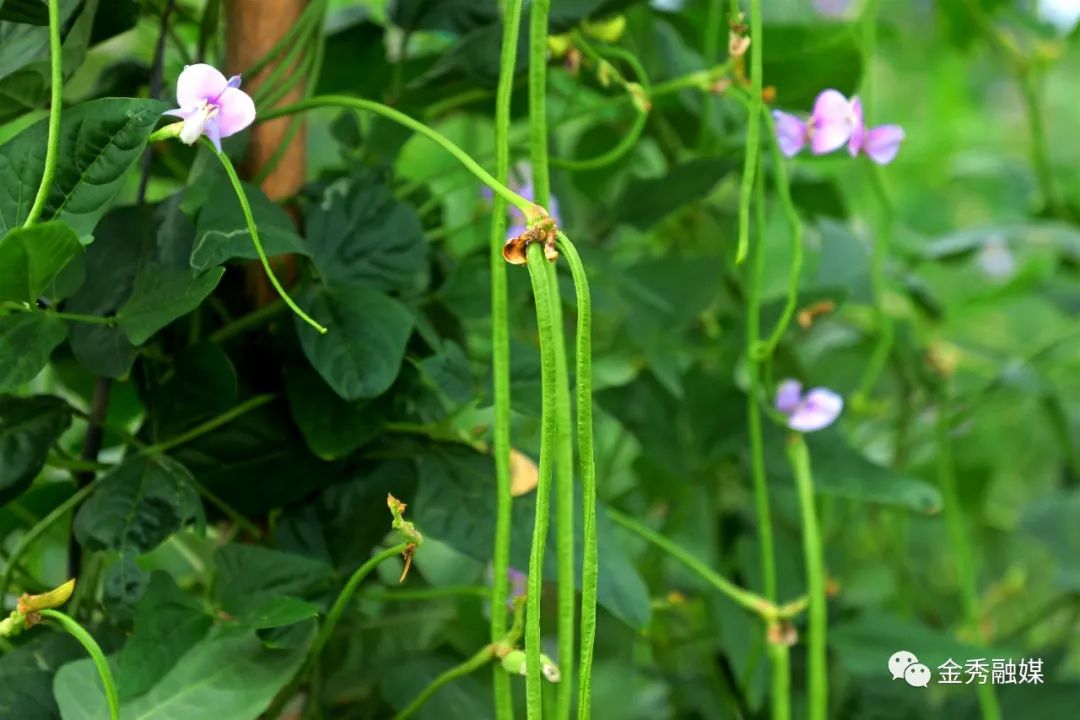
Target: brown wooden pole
{"type": "Point", "coordinates": [253, 27]}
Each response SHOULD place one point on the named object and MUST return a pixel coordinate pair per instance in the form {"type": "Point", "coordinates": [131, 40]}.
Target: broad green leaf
{"type": "Point", "coordinates": [468, 698]}
{"type": "Point", "coordinates": [28, 429]}
{"type": "Point", "coordinates": [360, 235]}
{"type": "Point", "coordinates": [197, 383]}
{"type": "Point", "coordinates": [248, 574]}
{"type": "Point", "coordinates": [275, 611]}
{"type": "Point", "coordinates": [646, 201]}
{"type": "Point", "coordinates": [125, 583]}
{"type": "Point", "coordinates": [31, 258]}
{"type": "Point", "coordinates": [138, 505]}
{"type": "Point", "coordinates": [26, 341]}
{"type": "Point", "coordinates": [361, 355]}
{"type": "Point", "coordinates": [228, 675]}
{"type": "Point", "coordinates": [802, 60]}
{"type": "Point", "coordinates": [332, 427]}
{"type": "Point", "coordinates": [168, 623]}
{"type": "Point", "coordinates": [99, 141]}
{"type": "Point", "coordinates": [222, 234]}
{"type": "Point", "coordinates": [161, 295]}
{"type": "Point", "coordinates": [26, 676]}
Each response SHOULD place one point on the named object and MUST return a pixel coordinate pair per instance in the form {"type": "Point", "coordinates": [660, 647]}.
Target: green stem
{"type": "Point", "coordinates": [586, 457]}
{"type": "Point", "coordinates": [500, 355]}
{"type": "Point", "coordinates": [1028, 80]}
{"type": "Point", "coordinates": [749, 600]}
{"type": "Point", "coordinates": [247, 322]}
{"type": "Point", "coordinates": [477, 661]}
{"type": "Point", "coordinates": [526, 207]}
{"type": "Point", "coordinates": [70, 317]}
{"type": "Point", "coordinates": [76, 630]}
{"type": "Point", "coordinates": [52, 149]}
{"type": "Point", "coordinates": [960, 541]}
{"type": "Point", "coordinates": [538, 273]}
{"type": "Point", "coordinates": [538, 139]}
{"type": "Point", "coordinates": [254, 232]}
{"type": "Point", "coordinates": [753, 132]}
{"type": "Point", "coordinates": [783, 192]}
{"type": "Point", "coordinates": [714, 18]}
{"type": "Point", "coordinates": [334, 616]}
{"type": "Point", "coordinates": [209, 426]}
{"type": "Point", "coordinates": [780, 659]}
{"type": "Point", "coordinates": [817, 674]}
{"type": "Point", "coordinates": [38, 530]}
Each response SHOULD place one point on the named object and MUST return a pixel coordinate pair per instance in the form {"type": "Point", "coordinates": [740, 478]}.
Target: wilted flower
{"type": "Point", "coordinates": [834, 122]}
{"type": "Point", "coordinates": [814, 410]}
{"type": "Point", "coordinates": [880, 144]}
{"type": "Point", "coordinates": [210, 105]}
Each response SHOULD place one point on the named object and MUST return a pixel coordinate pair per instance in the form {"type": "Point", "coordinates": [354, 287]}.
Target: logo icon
{"type": "Point", "coordinates": [899, 663]}
{"type": "Point", "coordinates": [917, 675]}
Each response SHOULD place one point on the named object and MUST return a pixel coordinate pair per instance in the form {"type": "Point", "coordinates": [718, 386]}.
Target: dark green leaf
{"type": "Point", "coordinates": [31, 258]}
{"type": "Point", "coordinates": [360, 235]}
{"type": "Point", "coordinates": [138, 505]}
{"type": "Point", "coordinates": [30, 12]}
{"type": "Point", "coordinates": [168, 623]}
{"type": "Point", "coordinates": [26, 676]}
{"type": "Point", "coordinates": [161, 295]}
{"type": "Point", "coordinates": [26, 341]}
{"type": "Point", "coordinates": [247, 575]}
{"type": "Point", "coordinates": [28, 429]}
{"type": "Point", "coordinates": [99, 141]}
{"type": "Point", "coordinates": [647, 201]}
{"type": "Point", "coordinates": [125, 583]}
{"type": "Point", "coordinates": [332, 427]}
{"type": "Point", "coordinates": [361, 355]}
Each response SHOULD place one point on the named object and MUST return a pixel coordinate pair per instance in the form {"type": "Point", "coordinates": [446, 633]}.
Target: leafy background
{"type": "Point", "coordinates": [204, 558]}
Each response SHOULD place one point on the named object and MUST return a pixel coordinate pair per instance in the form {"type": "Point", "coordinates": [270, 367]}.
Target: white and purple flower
{"type": "Point", "coordinates": [814, 410]}
{"type": "Point", "coordinates": [210, 105]}
{"type": "Point", "coordinates": [837, 121]}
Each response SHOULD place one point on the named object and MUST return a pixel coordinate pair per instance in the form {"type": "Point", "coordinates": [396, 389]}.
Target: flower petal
{"type": "Point", "coordinates": [213, 131]}
{"type": "Point", "coordinates": [858, 128]}
{"type": "Point", "coordinates": [234, 81]}
{"type": "Point", "coordinates": [883, 142]}
{"type": "Point", "coordinates": [817, 411]}
{"type": "Point", "coordinates": [197, 84]}
{"type": "Point", "coordinates": [790, 133]}
{"type": "Point", "coordinates": [237, 111]}
{"type": "Point", "coordinates": [788, 396]}
{"type": "Point", "coordinates": [183, 113]}
{"type": "Point", "coordinates": [831, 122]}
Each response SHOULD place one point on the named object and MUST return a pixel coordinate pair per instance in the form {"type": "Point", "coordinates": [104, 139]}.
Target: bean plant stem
{"type": "Point", "coordinates": [210, 425]}
{"type": "Point", "coordinates": [254, 232]}
{"type": "Point", "coordinates": [753, 132]}
{"type": "Point", "coordinates": [52, 149]}
{"type": "Point", "coordinates": [87, 641]}
{"type": "Point", "coordinates": [586, 457]}
{"type": "Point", "coordinates": [538, 273]}
{"type": "Point", "coordinates": [500, 354]}
{"type": "Point", "coordinates": [960, 541]}
{"type": "Point", "coordinates": [477, 661]}
{"type": "Point", "coordinates": [38, 530]}
{"type": "Point", "coordinates": [817, 670]}
{"type": "Point", "coordinates": [526, 207]}
{"type": "Point", "coordinates": [780, 660]}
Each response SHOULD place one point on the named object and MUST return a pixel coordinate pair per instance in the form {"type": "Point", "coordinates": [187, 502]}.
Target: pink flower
{"type": "Point", "coordinates": [815, 410]}
{"type": "Point", "coordinates": [791, 133]}
{"type": "Point", "coordinates": [880, 144]}
{"type": "Point", "coordinates": [211, 105]}
{"type": "Point", "coordinates": [832, 122]}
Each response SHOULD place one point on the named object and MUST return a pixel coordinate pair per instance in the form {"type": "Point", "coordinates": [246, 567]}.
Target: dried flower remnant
{"type": "Point", "coordinates": [815, 410]}
{"type": "Point", "coordinates": [210, 105]}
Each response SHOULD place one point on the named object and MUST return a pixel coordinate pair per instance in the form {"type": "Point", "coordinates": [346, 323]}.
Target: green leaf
{"type": "Point", "coordinates": [228, 675]}
{"type": "Point", "coordinates": [222, 234]}
{"type": "Point", "coordinates": [274, 611]}
{"type": "Point", "coordinates": [168, 623]}
{"type": "Point", "coordinates": [360, 235]}
{"type": "Point", "coordinates": [138, 505]}
{"type": "Point", "coordinates": [26, 341]}
{"type": "Point", "coordinates": [467, 698]}
{"type": "Point", "coordinates": [161, 295]}
{"type": "Point", "coordinates": [647, 201]}
{"type": "Point", "coordinates": [28, 429]}
{"type": "Point", "coordinates": [1051, 520]}
{"type": "Point", "coordinates": [26, 676]}
{"type": "Point", "coordinates": [248, 576]}
{"type": "Point", "coordinates": [361, 355]}
{"type": "Point", "coordinates": [804, 59]}
{"type": "Point", "coordinates": [31, 258]}
{"type": "Point", "coordinates": [332, 427]}
{"type": "Point", "coordinates": [99, 141]}
{"type": "Point", "coordinates": [30, 12]}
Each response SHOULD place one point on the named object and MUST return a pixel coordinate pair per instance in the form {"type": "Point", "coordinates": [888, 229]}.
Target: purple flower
{"type": "Point", "coordinates": [814, 410]}
{"type": "Point", "coordinates": [832, 8]}
{"type": "Point", "coordinates": [518, 585]}
{"type": "Point", "coordinates": [521, 183]}
{"type": "Point", "coordinates": [881, 143]}
{"type": "Point", "coordinates": [211, 105]}
{"type": "Point", "coordinates": [832, 122]}
{"type": "Point", "coordinates": [791, 133]}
